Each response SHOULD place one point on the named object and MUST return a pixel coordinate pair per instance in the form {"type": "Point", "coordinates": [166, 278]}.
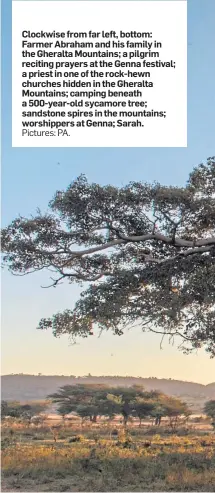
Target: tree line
{"type": "Point", "coordinates": [90, 402]}
{"type": "Point", "coordinates": [94, 401]}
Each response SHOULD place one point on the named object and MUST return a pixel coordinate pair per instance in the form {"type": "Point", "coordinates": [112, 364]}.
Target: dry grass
{"type": "Point", "coordinates": [41, 459]}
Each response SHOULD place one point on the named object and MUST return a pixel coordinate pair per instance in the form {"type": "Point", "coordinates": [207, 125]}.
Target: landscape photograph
{"type": "Point", "coordinates": [108, 303]}
{"type": "Point", "coordinates": [143, 256]}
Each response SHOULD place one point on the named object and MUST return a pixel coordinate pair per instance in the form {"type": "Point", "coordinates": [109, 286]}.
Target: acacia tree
{"type": "Point", "coordinates": [143, 408]}
{"type": "Point", "coordinates": [174, 408]}
{"type": "Point", "coordinates": [145, 251]}
{"type": "Point", "coordinates": [124, 399]}
{"type": "Point", "coordinates": [209, 410]}
{"type": "Point", "coordinates": [149, 405]}
{"type": "Point", "coordinates": [85, 400]}
{"type": "Point", "coordinates": [91, 401]}
{"type": "Point", "coordinates": [158, 413]}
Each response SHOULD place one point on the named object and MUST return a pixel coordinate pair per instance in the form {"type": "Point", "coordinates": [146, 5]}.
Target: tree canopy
{"type": "Point", "coordinates": [91, 401]}
{"type": "Point", "coordinates": [209, 409]}
{"type": "Point", "coordinates": [146, 253]}
{"type": "Point", "coordinates": [25, 411]}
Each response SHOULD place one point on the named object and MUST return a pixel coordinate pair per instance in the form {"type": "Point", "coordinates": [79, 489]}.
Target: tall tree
{"type": "Point", "coordinates": [146, 252]}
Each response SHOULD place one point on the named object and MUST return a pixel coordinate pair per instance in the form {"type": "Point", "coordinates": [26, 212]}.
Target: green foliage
{"type": "Point", "coordinates": [91, 401]}
{"type": "Point", "coordinates": [4, 409]}
{"type": "Point", "coordinates": [174, 407]}
{"type": "Point", "coordinates": [144, 408]}
{"type": "Point", "coordinates": [124, 399]}
{"type": "Point", "coordinates": [147, 251]}
{"type": "Point", "coordinates": [21, 411]}
{"type": "Point", "coordinates": [209, 409]}
{"type": "Point", "coordinates": [158, 413]}
{"type": "Point", "coordinates": [86, 400]}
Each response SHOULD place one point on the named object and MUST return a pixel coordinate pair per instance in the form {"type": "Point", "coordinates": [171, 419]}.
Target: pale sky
{"type": "Point", "coordinates": [30, 178]}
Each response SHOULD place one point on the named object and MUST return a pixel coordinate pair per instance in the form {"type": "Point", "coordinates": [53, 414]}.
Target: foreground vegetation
{"type": "Point", "coordinates": [106, 457]}
{"type": "Point", "coordinates": [107, 439]}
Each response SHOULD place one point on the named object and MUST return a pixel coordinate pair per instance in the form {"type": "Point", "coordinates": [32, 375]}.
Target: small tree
{"type": "Point", "coordinates": [4, 409]}
{"type": "Point", "coordinates": [39, 420]}
{"type": "Point", "coordinates": [87, 411]}
{"type": "Point", "coordinates": [106, 407]}
{"type": "Point", "coordinates": [12, 409]}
{"type": "Point", "coordinates": [124, 398]}
{"type": "Point", "coordinates": [143, 408]}
{"type": "Point", "coordinates": [158, 413]}
{"type": "Point", "coordinates": [209, 410]}
{"type": "Point", "coordinates": [173, 409]}
{"type": "Point", "coordinates": [23, 412]}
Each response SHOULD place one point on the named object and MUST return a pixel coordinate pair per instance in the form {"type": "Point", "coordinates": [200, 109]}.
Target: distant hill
{"type": "Point", "coordinates": [31, 387]}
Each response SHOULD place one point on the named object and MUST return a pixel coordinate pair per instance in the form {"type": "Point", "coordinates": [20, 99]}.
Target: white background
{"type": "Point", "coordinates": [168, 22]}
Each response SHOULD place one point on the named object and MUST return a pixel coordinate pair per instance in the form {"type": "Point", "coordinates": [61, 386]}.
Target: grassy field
{"type": "Point", "coordinates": [74, 458]}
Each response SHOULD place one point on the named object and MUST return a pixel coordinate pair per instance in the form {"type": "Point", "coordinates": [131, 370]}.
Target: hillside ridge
{"type": "Point", "coordinates": [23, 387]}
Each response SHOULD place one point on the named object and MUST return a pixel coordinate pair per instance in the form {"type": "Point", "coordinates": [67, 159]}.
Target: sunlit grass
{"type": "Point", "coordinates": [133, 461]}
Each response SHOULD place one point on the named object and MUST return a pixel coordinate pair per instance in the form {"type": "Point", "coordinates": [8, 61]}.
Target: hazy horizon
{"type": "Point", "coordinates": [103, 376]}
